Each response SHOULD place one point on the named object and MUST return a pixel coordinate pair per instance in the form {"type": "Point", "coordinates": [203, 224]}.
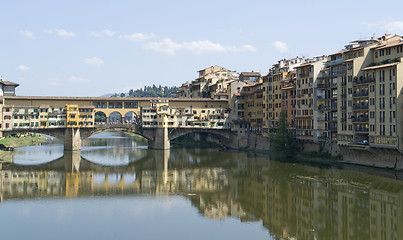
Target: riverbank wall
{"type": "Point", "coordinates": [357, 154]}
{"type": "Point", "coordinates": [360, 154]}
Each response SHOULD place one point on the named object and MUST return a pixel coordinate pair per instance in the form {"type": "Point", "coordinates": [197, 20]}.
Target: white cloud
{"type": "Point", "coordinates": [61, 33]}
{"type": "Point", "coordinates": [198, 47]}
{"type": "Point", "coordinates": [78, 79]}
{"type": "Point", "coordinates": [103, 33]}
{"type": "Point", "coordinates": [93, 61]}
{"type": "Point", "coordinates": [27, 34]}
{"type": "Point", "coordinates": [280, 46]}
{"type": "Point", "coordinates": [23, 68]}
{"type": "Point", "coordinates": [386, 26]}
{"type": "Point", "coordinates": [138, 37]}
{"type": "Point", "coordinates": [108, 32]}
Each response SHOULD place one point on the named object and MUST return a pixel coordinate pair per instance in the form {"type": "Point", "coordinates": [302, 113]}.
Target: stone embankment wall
{"type": "Point", "coordinates": [361, 155]}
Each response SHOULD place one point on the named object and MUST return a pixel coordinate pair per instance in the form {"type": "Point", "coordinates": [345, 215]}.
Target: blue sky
{"type": "Point", "coordinates": [89, 48]}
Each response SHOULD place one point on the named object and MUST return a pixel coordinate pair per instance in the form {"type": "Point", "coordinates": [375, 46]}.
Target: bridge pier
{"type": "Point", "coordinates": [160, 140]}
{"type": "Point", "coordinates": [72, 139]}
{"type": "Point", "coordinates": [72, 160]}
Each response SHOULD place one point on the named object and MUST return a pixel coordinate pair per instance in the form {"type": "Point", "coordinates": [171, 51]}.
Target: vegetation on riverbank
{"type": "Point", "coordinates": [187, 142]}
{"type": "Point", "coordinates": [23, 141]}
{"type": "Point", "coordinates": [283, 142]}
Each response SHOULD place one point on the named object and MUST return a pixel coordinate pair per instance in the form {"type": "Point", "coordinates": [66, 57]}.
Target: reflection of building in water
{"type": "Point", "coordinates": [1, 184]}
{"type": "Point", "coordinates": [290, 206]}
{"type": "Point", "coordinates": [323, 208]}
{"type": "Point", "coordinates": [18, 184]}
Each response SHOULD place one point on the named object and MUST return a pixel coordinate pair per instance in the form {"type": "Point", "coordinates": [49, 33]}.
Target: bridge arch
{"type": "Point", "coordinates": [130, 118]}
{"type": "Point", "coordinates": [115, 117]}
{"type": "Point", "coordinates": [100, 117]}
{"type": "Point", "coordinates": [224, 136]}
{"type": "Point", "coordinates": [132, 128]}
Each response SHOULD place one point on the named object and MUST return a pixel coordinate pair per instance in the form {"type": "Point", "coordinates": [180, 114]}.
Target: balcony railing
{"type": "Point", "coordinates": [337, 61]}
{"type": "Point", "coordinates": [360, 94]}
{"type": "Point", "coordinates": [333, 128]}
{"type": "Point", "coordinates": [360, 119]}
{"type": "Point", "coordinates": [360, 107]}
{"type": "Point", "coordinates": [322, 86]}
{"type": "Point", "coordinates": [361, 129]}
{"type": "Point", "coordinates": [363, 81]}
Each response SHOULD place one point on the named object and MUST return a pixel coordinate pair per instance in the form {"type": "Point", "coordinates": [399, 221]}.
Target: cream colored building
{"type": "Point", "coordinates": [307, 115]}
{"type": "Point", "coordinates": [371, 111]}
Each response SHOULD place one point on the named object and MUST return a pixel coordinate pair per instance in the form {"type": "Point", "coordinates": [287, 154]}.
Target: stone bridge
{"type": "Point", "coordinates": [158, 137]}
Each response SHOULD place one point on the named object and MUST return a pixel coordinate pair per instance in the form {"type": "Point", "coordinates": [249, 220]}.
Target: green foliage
{"type": "Point", "coordinates": [283, 142]}
{"type": "Point", "coordinates": [150, 91]}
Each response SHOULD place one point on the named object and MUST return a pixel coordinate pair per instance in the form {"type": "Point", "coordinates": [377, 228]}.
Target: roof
{"type": "Point", "coordinates": [250, 74]}
{"type": "Point", "coordinates": [9, 83]}
{"type": "Point", "coordinates": [50, 98]}
{"type": "Point", "coordinates": [386, 45]}
{"type": "Point", "coordinates": [381, 66]}
{"type": "Point", "coordinates": [304, 65]}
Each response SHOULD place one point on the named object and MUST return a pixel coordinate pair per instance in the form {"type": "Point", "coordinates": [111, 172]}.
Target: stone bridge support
{"type": "Point", "coordinates": [160, 139]}
{"type": "Point", "coordinates": [72, 139]}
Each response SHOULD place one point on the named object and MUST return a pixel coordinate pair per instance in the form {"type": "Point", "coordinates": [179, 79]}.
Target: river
{"type": "Point", "coordinates": [116, 188]}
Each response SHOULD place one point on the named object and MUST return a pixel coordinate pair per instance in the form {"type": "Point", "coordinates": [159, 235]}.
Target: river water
{"type": "Point", "coordinates": [116, 188]}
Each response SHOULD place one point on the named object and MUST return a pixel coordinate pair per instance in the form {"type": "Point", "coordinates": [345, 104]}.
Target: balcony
{"type": "Point", "coordinates": [360, 119]}
{"type": "Point", "coordinates": [337, 61]}
{"type": "Point", "coordinates": [304, 75]}
{"type": "Point", "coordinates": [322, 119]}
{"type": "Point", "coordinates": [323, 75]}
{"type": "Point", "coordinates": [333, 128]}
{"type": "Point", "coordinates": [322, 86]}
{"type": "Point", "coordinates": [338, 73]}
{"type": "Point", "coordinates": [363, 81]}
{"type": "Point", "coordinates": [361, 129]}
{"type": "Point", "coordinates": [360, 94]}
{"type": "Point", "coordinates": [360, 107]}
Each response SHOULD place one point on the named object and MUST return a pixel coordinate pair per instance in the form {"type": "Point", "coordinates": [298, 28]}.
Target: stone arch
{"type": "Point", "coordinates": [100, 117]}
{"type": "Point", "coordinates": [131, 118]}
{"type": "Point", "coordinates": [223, 136]}
{"type": "Point", "coordinates": [115, 118]}
{"type": "Point", "coordinates": [86, 133]}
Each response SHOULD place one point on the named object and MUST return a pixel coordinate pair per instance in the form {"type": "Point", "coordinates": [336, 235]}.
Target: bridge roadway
{"type": "Point", "coordinates": [158, 138]}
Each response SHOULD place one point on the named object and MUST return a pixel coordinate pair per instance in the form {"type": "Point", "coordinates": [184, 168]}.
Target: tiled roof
{"type": "Point", "coordinates": [381, 66]}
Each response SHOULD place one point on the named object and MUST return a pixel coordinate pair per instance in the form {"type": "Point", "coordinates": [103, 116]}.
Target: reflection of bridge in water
{"type": "Point", "coordinates": [291, 200]}
{"type": "Point", "coordinates": [73, 176]}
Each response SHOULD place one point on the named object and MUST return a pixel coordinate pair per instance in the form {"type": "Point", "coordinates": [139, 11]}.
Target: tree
{"type": "Point", "coordinates": [283, 142]}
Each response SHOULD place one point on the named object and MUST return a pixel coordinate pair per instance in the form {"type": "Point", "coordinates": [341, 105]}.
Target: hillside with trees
{"type": "Point", "coordinates": [149, 91]}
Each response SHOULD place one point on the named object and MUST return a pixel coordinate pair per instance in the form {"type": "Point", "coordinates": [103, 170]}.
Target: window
{"type": "Point", "coordinates": [372, 114]}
